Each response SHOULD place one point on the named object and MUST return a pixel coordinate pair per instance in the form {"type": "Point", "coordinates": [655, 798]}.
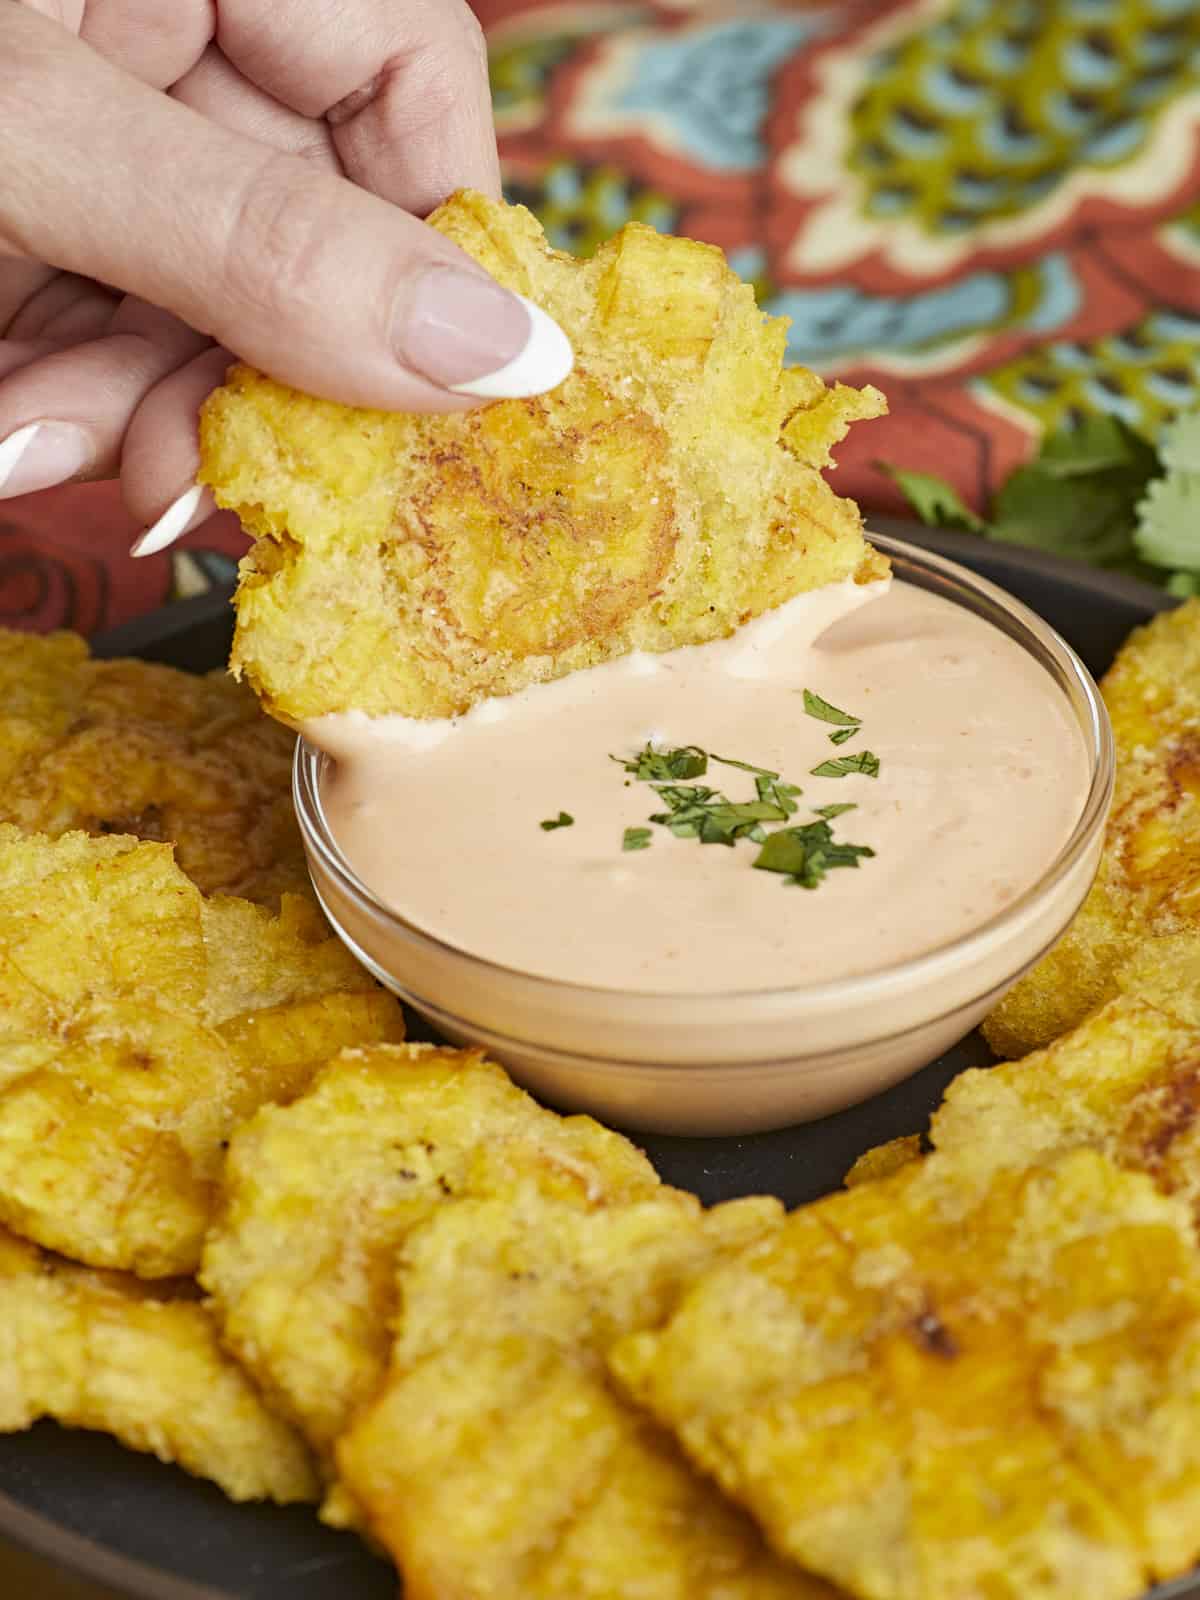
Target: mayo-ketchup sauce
{"type": "Point", "coordinates": [982, 774]}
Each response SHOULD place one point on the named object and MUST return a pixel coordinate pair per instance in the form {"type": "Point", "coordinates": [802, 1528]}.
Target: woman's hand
{"type": "Point", "coordinates": [184, 181]}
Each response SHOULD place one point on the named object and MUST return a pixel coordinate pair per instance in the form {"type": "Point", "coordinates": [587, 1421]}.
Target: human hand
{"type": "Point", "coordinates": [186, 181]}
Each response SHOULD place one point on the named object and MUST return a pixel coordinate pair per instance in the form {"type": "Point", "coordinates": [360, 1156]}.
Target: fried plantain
{"type": "Point", "coordinates": [933, 1386]}
{"type": "Point", "coordinates": [884, 1159]}
{"type": "Point", "coordinates": [100, 1350]}
{"type": "Point", "coordinates": [498, 1462]}
{"type": "Point", "coordinates": [129, 747]}
{"type": "Point", "coordinates": [319, 1195]}
{"type": "Point", "coordinates": [1126, 1081]}
{"type": "Point", "coordinates": [138, 1024]}
{"type": "Point", "coordinates": [1149, 878]}
{"type": "Point", "coordinates": [667, 491]}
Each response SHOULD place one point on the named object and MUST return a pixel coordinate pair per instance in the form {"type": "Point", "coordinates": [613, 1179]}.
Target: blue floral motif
{"type": "Point", "coordinates": [713, 84]}
{"type": "Point", "coordinates": [833, 324]}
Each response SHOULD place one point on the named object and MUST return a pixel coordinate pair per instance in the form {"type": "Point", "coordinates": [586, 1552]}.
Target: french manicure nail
{"type": "Point", "coordinates": [192, 507]}
{"type": "Point", "coordinates": [41, 455]}
{"type": "Point", "coordinates": [467, 334]}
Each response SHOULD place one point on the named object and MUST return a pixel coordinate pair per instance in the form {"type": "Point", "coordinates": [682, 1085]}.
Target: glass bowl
{"type": "Point", "coordinates": [745, 1061]}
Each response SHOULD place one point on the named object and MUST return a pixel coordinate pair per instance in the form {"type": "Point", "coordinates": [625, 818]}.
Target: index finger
{"type": "Point", "coordinates": [403, 87]}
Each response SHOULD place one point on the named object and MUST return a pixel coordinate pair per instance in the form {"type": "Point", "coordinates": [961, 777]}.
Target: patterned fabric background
{"type": "Point", "coordinates": [989, 208]}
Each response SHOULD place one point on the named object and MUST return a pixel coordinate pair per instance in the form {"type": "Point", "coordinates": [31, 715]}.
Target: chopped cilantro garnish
{"type": "Point", "coordinates": [563, 820]}
{"type": "Point", "coordinates": [777, 793]}
{"type": "Point", "coordinates": [804, 855]}
{"type": "Point", "coordinates": [863, 761]}
{"type": "Point", "coordinates": [744, 766]}
{"type": "Point", "coordinates": [829, 812]}
{"type": "Point", "coordinates": [840, 735]}
{"type": "Point", "coordinates": [697, 812]}
{"type": "Point", "coordinates": [659, 766]}
{"type": "Point", "coordinates": [824, 712]}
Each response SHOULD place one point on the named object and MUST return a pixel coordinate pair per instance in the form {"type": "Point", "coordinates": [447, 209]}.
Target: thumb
{"type": "Point", "coordinates": [300, 272]}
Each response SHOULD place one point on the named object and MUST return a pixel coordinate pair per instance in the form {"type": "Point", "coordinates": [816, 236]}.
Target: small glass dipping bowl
{"type": "Point", "coordinates": [736, 1062]}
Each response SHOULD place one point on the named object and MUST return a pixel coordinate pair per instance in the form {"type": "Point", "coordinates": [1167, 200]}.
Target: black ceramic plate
{"type": "Point", "coordinates": [87, 1520]}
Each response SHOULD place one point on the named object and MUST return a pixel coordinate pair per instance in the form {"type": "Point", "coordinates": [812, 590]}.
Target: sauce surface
{"type": "Point", "coordinates": [982, 776]}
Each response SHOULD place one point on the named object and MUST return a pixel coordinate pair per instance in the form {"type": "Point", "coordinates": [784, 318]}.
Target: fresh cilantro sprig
{"type": "Point", "coordinates": [1097, 491]}
{"type": "Point", "coordinates": [1168, 530]}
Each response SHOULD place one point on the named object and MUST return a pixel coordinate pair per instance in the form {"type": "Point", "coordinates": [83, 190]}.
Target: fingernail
{"type": "Point", "coordinates": [467, 334]}
{"type": "Point", "coordinates": [180, 517]}
{"type": "Point", "coordinates": [40, 455]}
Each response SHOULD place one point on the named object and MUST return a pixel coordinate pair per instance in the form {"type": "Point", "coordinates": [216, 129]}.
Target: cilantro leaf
{"type": "Point", "coordinates": [843, 734]}
{"type": "Point", "coordinates": [698, 812]}
{"type": "Point", "coordinates": [563, 820]}
{"type": "Point", "coordinates": [636, 839]}
{"type": "Point", "coordinates": [864, 761]}
{"type": "Point", "coordinates": [777, 793]}
{"type": "Point", "coordinates": [1179, 444]}
{"type": "Point", "coordinates": [744, 766]}
{"type": "Point", "coordinates": [830, 812]}
{"type": "Point", "coordinates": [786, 850]}
{"type": "Point", "coordinates": [815, 706]}
{"type": "Point", "coordinates": [804, 855]}
{"type": "Point", "coordinates": [1091, 520]}
{"type": "Point", "coordinates": [1095, 444]}
{"type": "Point", "coordinates": [936, 502]}
{"type": "Point", "coordinates": [1168, 526]}
{"type": "Point", "coordinates": [657, 766]}
{"type": "Point", "coordinates": [1077, 498]}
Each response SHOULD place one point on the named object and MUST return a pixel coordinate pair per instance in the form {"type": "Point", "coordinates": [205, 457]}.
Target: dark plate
{"type": "Point", "coordinates": [91, 1521]}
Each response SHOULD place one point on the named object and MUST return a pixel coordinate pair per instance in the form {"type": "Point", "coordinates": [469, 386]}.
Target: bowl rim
{"type": "Point", "coordinates": [1025, 627]}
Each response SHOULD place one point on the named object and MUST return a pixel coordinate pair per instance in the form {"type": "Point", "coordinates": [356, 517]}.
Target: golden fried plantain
{"type": "Point", "coordinates": [129, 747]}
{"type": "Point", "coordinates": [100, 1350]}
{"type": "Point", "coordinates": [138, 1024]}
{"type": "Point", "coordinates": [1149, 878]}
{"type": "Point", "coordinates": [884, 1159]}
{"type": "Point", "coordinates": [1126, 1081]}
{"type": "Point", "coordinates": [926, 1386]}
{"type": "Point", "coordinates": [498, 1462]}
{"type": "Point", "coordinates": [670, 489]}
{"type": "Point", "coordinates": [319, 1195]}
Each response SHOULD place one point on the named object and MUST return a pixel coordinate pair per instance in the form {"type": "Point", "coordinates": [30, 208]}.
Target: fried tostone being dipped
{"type": "Point", "coordinates": [933, 1385]}
{"type": "Point", "coordinates": [1149, 878]}
{"type": "Point", "coordinates": [130, 747]}
{"type": "Point", "coordinates": [498, 1461]}
{"type": "Point", "coordinates": [669, 490]}
{"type": "Point", "coordinates": [100, 1350]}
{"type": "Point", "coordinates": [318, 1197]}
{"type": "Point", "coordinates": [139, 1023]}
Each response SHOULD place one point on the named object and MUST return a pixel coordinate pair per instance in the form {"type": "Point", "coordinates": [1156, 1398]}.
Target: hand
{"type": "Point", "coordinates": [183, 182]}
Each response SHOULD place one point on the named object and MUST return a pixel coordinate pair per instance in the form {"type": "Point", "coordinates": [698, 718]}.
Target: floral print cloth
{"type": "Point", "coordinates": [989, 208]}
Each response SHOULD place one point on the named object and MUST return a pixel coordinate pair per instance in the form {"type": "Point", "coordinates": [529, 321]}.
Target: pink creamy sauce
{"type": "Point", "coordinates": [982, 777]}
